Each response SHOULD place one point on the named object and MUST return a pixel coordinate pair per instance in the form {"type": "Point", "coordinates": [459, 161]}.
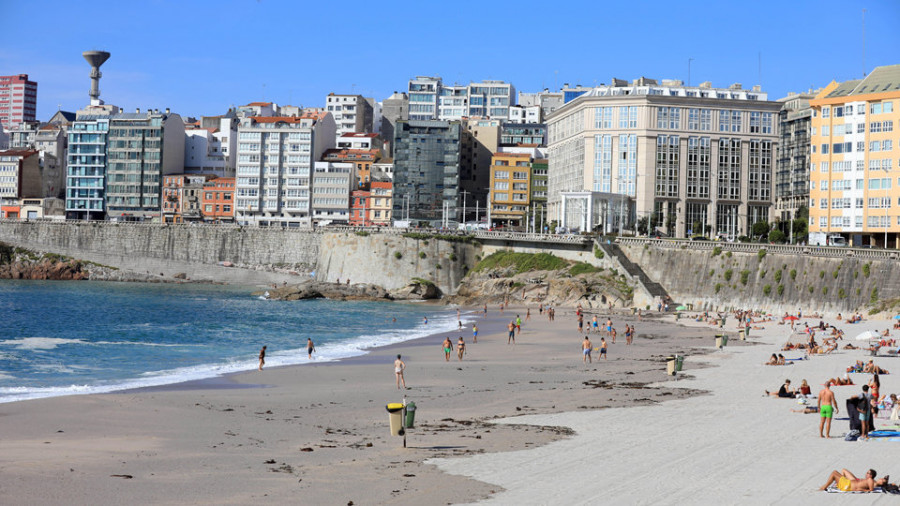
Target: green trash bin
{"type": "Point", "coordinates": [410, 415]}
{"type": "Point", "coordinates": [679, 362]}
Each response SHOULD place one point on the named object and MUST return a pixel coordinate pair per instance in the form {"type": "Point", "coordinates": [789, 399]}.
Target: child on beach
{"type": "Point", "coordinates": [602, 348]}
{"type": "Point", "coordinates": [474, 333]}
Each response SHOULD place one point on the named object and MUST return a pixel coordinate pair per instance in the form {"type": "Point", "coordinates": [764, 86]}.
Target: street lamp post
{"type": "Point", "coordinates": [464, 193]}
{"type": "Point", "coordinates": [887, 207]}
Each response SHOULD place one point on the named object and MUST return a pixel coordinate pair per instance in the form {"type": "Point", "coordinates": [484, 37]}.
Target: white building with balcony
{"type": "Point", "coordinates": [275, 159]}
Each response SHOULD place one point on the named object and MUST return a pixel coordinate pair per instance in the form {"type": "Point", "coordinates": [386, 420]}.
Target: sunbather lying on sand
{"type": "Point", "coordinates": [870, 367]}
{"type": "Point", "coordinates": [784, 391]}
{"type": "Point", "coordinates": [840, 381]}
{"type": "Point", "coordinates": [847, 482]}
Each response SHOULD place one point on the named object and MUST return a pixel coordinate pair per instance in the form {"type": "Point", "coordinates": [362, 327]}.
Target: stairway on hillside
{"type": "Point", "coordinates": [652, 287]}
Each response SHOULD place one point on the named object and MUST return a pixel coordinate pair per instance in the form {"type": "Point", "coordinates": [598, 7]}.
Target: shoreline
{"type": "Point", "coordinates": [314, 420]}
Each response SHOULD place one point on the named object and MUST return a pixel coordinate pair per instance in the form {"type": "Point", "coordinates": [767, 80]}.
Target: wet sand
{"type": "Point", "coordinates": [318, 433]}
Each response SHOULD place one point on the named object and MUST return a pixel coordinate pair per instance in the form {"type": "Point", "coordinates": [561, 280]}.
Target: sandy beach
{"type": "Point", "coordinates": [523, 424]}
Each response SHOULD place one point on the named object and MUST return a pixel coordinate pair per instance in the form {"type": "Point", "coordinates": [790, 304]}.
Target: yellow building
{"type": "Point", "coordinates": [510, 189]}
{"type": "Point", "coordinates": [855, 159]}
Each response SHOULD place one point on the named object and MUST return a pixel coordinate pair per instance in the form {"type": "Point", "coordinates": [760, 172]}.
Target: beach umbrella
{"type": "Point", "coordinates": [791, 318]}
{"type": "Point", "coordinates": [680, 308]}
{"type": "Point", "coordinates": [866, 336]}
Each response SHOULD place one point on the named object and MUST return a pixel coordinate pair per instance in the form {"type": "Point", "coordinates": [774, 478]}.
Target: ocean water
{"type": "Point", "coordinates": [64, 338]}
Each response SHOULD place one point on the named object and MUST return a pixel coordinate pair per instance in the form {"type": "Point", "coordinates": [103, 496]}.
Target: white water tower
{"type": "Point", "coordinates": [95, 59]}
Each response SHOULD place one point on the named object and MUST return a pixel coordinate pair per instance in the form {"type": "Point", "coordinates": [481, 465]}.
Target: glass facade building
{"type": "Point", "coordinates": [427, 171]}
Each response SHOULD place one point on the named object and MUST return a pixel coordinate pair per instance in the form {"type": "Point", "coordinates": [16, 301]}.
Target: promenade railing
{"type": "Point", "coordinates": [744, 247]}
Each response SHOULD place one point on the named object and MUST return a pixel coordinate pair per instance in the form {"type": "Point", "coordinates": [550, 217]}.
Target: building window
{"type": "Point", "coordinates": [667, 165]}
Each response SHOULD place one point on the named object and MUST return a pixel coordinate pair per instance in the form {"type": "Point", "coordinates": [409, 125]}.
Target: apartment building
{"type": "Point", "coordinates": [427, 171]}
{"type": "Point", "coordinates": [86, 164]}
{"type": "Point", "coordinates": [359, 202]}
{"type": "Point", "coordinates": [20, 177]}
{"type": "Point", "coordinates": [792, 160]}
{"type": "Point", "coordinates": [217, 202]}
{"type": "Point", "coordinates": [182, 197]}
{"type": "Point", "coordinates": [510, 189]}
{"type": "Point", "coordinates": [453, 102]}
{"type": "Point", "coordinates": [853, 161]}
{"type": "Point", "coordinates": [331, 188]}
{"type": "Point", "coordinates": [362, 160]}
{"type": "Point", "coordinates": [208, 145]}
{"type": "Point", "coordinates": [688, 160]}
{"type": "Point", "coordinates": [491, 99]}
{"type": "Point", "coordinates": [393, 109]}
{"type": "Point", "coordinates": [275, 167]}
{"type": "Point", "coordinates": [142, 147]}
{"type": "Point", "coordinates": [352, 113]}
{"type": "Point", "coordinates": [527, 134]}
{"type": "Point", "coordinates": [423, 92]}
{"type": "Point", "coordinates": [381, 194]}
{"type": "Point", "coordinates": [18, 101]}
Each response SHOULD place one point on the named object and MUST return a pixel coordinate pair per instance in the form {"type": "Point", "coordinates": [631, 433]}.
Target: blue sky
{"type": "Point", "coordinates": [200, 57]}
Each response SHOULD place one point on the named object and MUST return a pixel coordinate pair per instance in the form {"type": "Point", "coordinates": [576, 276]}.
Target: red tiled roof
{"type": "Point", "coordinates": [258, 104]}
{"type": "Point", "coordinates": [359, 134]}
{"type": "Point", "coordinates": [278, 119]}
{"type": "Point", "coordinates": [24, 153]}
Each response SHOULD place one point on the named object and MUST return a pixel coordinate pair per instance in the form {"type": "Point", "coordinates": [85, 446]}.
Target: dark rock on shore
{"type": "Point", "coordinates": [44, 270]}
{"type": "Point", "coordinates": [358, 291]}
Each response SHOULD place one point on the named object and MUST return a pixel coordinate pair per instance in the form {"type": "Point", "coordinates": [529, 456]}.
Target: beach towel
{"type": "Point", "coordinates": [878, 490]}
{"type": "Point", "coordinates": [884, 433]}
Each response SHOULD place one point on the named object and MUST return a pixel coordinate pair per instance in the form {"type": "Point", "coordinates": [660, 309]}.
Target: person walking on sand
{"type": "Point", "coordinates": [262, 358]}
{"type": "Point", "coordinates": [512, 332]}
{"type": "Point", "coordinates": [518, 324]}
{"type": "Point", "coordinates": [580, 323]}
{"type": "Point", "coordinates": [310, 347]}
{"type": "Point", "coordinates": [602, 348]}
{"type": "Point", "coordinates": [474, 333]}
{"type": "Point", "coordinates": [586, 348]}
{"type": "Point", "coordinates": [460, 348]}
{"type": "Point", "coordinates": [448, 347]}
{"type": "Point", "coordinates": [628, 333]}
{"type": "Point", "coordinates": [527, 314]}
{"type": "Point", "coordinates": [827, 409]}
{"type": "Point", "coordinates": [399, 367]}
{"type": "Point", "coordinates": [485, 310]}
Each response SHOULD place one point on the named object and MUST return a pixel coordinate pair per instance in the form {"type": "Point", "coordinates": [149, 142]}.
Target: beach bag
{"type": "Point", "coordinates": [853, 435]}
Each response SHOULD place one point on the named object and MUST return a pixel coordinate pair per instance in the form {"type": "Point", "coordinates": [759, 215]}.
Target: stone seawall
{"type": "Point", "coordinates": [374, 259]}
{"type": "Point", "coordinates": [777, 282]}
{"type": "Point", "coordinates": [166, 250]}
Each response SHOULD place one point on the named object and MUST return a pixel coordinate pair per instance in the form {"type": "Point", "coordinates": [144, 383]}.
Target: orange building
{"type": "Point", "coordinates": [362, 160]}
{"type": "Point", "coordinates": [217, 200]}
{"type": "Point", "coordinates": [854, 188]}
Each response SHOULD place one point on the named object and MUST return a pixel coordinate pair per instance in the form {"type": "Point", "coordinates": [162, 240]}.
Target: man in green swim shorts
{"type": "Point", "coordinates": [827, 408]}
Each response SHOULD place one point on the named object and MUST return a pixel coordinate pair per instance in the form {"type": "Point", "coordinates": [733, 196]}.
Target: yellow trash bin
{"type": "Point", "coordinates": [395, 413]}
{"type": "Point", "coordinates": [670, 366]}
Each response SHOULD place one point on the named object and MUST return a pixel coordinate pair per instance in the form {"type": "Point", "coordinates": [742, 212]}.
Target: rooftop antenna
{"type": "Point", "coordinates": [864, 42]}
{"type": "Point", "coordinates": [759, 67]}
{"type": "Point", "coordinates": [689, 71]}
{"type": "Point", "coordinates": [95, 59]}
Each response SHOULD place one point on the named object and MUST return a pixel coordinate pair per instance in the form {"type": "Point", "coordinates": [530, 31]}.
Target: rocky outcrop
{"type": "Point", "coordinates": [595, 289]}
{"type": "Point", "coordinates": [44, 270]}
{"type": "Point", "coordinates": [358, 291]}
